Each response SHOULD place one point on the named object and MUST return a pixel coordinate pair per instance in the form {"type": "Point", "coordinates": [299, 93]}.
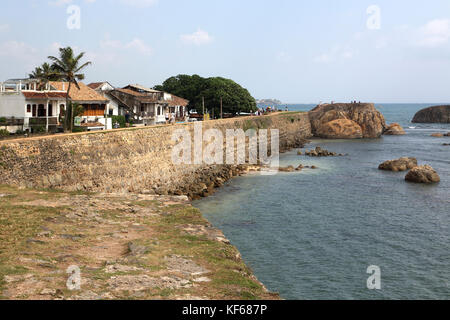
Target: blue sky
{"type": "Point", "coordinates": [293, 50]}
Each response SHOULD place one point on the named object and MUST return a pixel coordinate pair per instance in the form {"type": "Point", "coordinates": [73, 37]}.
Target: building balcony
{"type": "Point", "coordinates": [42, 121]}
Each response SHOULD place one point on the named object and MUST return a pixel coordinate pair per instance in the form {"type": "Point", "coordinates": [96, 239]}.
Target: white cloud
{"type": "Point", "coordinates": [284, 57]}
{"type": "Point", "coordinates": [139, 3]}
{"type": "Point", "coordinates": [335, 54]}
{"type": "Point", "coordinates": [435, 33]}
{"type": "Point", "coordinates": [198, 38]}
{"type": "Point", "coordinates": [139, 45]}
{"type": "Point", "coordinates": [4, 27]}
{"type": "Point", "coordinates": [59, 3]}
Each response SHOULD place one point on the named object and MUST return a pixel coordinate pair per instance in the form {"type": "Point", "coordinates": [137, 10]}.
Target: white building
{"type": "Point", "coordinates": [104, 88]}
{"type": "Point", "coordinates": [26, 105]}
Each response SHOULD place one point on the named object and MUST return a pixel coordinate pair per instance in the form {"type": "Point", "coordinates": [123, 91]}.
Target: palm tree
{"type": "Point", "coordinates": [69, 66]}
{"type": "Point", "coordinates": [44, 74]}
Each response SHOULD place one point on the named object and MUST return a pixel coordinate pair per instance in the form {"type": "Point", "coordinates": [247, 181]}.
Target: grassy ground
{"type": "Point", "coordinates": [127, 247]}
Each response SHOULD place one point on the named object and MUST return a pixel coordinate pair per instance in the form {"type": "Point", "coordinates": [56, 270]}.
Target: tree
{"type": "Point", "coordinates": [44, 74]}
{"type": "Point", "coordinates": [69, 66]}
{"type": "Point", "coordinates": [194, 88]}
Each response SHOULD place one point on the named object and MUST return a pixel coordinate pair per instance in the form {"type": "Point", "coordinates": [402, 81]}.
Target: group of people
{"type": "Point", "coordinates": [170, 118]}
{"type": "Point", "coordinates": [262, 111]}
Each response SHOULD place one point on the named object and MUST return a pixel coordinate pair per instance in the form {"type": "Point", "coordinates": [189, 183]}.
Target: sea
{"type": "Point", "coordinates": [317, 234]}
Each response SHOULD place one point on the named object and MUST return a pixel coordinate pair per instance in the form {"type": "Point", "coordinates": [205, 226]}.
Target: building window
{"type": "Point", "coordinates": [28, 108]}
{"type": "Point", "coordinates": [41, 110]}
{"type": "Point", "coordinates": [34, 110]}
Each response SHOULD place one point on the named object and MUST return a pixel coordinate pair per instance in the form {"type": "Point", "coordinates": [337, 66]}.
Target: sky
{"type": "Point", "coordinates": [292, 50]}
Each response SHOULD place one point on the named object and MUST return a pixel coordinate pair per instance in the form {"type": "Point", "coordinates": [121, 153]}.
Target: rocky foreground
{"type": "Point", "coordinates": [126, 246]}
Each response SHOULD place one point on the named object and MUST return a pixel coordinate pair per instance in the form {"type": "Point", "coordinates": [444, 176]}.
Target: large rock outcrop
{"type": "Point", "coordinates": [438, 114]}
{"type": "Point", "coordinates": [347, 121]}
{"type": "Point", "coordinates": [423, 174]}
{"type": "Point", "coordinates": [340, 129]}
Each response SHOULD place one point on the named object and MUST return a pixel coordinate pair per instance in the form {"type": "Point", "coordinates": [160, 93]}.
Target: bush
{"type": "Point", "coordinates": [4, 133]}
{"type": "Point", "coordinates": [2, 120]}
{"type": "Point", "coordinates": [20, 132]}
{"type": "Point", "coordinates": [120, 120]}
{"type": "Point", "coordinates": [39, 129]}
{"type": "Point", "coordinates": [79, 129]}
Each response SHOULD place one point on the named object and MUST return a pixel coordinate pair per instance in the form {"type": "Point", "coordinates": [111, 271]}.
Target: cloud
{"type": "Point", "coordinates": [59, 3]}
{"type": "Point", "coordinates": [198, 38]}
{"type": "Point", "coordinates": [4, 27]}
{"type": "Point", "coordinates": [137, 45]}
{"type": "Point", "coordinates": [139, 3]}
{"type": "Point", "coordinates": [335, 54]}
{"type": "Point", "coordinates": [284, 57]}
{"type": "Point", "coordinates": [435, 33]}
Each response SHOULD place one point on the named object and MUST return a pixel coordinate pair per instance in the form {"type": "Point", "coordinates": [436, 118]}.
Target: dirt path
{"type": "Point", "coordinates": [125, 246]}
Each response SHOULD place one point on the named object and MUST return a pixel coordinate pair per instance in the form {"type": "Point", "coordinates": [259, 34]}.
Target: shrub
{"type": "Point", "coordinates": [20, 132]}
{"type": "Point", "coordinates": [120, 120]}
{"type": "Point", "coordinates": [39, 129]}
{"type": "Point", "coordinates": [2, 120]}
{"type": "Point", "coordinates": [4, 133]}
{"type": "Point", "coordinates": [79, 129]}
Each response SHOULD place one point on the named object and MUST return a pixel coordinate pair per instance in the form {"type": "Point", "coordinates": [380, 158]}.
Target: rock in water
{"type": "Point", "coordinates": [394, 130]}
{"type": "Point", "coordinates": [347, 120]}
{"type": "Point", "coordinates": [287, 169]}
{"type": "Point", "coordinates": [438, 114]}
{"type": "Point", "coordinates": [401, 164]}
{"type": "Point", "coordinates": [423, 174]}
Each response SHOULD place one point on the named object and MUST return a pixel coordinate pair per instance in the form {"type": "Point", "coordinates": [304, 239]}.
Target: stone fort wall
{"type": "Point", "coordinates": [130, 160]}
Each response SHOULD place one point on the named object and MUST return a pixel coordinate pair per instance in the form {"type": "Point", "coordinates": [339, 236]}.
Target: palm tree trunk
{"type": "Point", "coordinates": [68, 115]}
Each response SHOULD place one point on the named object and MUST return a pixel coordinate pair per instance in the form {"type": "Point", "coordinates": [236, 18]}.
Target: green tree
{"type": "Point", "coordinates": [69, 67]}
{"type": "Point", "coordinates": [194, 88]}
{"type": "Point", "coordinates": [44, 74]}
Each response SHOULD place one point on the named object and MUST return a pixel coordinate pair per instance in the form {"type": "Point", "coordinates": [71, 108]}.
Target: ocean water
{"type": "Point", "coordinates": [313, 234]}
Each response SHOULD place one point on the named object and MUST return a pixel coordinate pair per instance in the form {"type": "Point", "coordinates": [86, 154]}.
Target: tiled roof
{"type": "Point", "coordinates": [139, 87]}
{"type": "Point", "coordinates": [131, 92]}
{"type": "Point", "coordinates": [95, 85]}
{"type": "Point", "coordinates": [83, 94]}
{"type": "Point", "coordinates": [44, 95]}
{"type": "Point", "coordinates": [177, 101]}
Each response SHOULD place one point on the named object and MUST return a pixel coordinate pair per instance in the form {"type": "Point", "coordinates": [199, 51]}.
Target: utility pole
{"type": "Point", "coordinates": [203, 103]}
{"type": "Point", "coordinates": [221, 108]}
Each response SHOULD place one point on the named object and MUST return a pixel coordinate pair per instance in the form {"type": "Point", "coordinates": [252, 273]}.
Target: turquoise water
{"type": "Point", "coordinates": [313, 234]}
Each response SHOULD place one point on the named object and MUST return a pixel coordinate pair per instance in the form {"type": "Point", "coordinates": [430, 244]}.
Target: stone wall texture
{"type": "Point", "coordinates": [130, 160]}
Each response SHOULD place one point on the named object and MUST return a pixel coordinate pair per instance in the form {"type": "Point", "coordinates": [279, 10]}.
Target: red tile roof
{"type": "Point", "coordinates": [84, 94]}
{"type": "Point", "coordinates": [95, 85]}
{"type": "Point", "coordinates": [177, 101]}
{"type": "Point", "coordinates": [44, 95]}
